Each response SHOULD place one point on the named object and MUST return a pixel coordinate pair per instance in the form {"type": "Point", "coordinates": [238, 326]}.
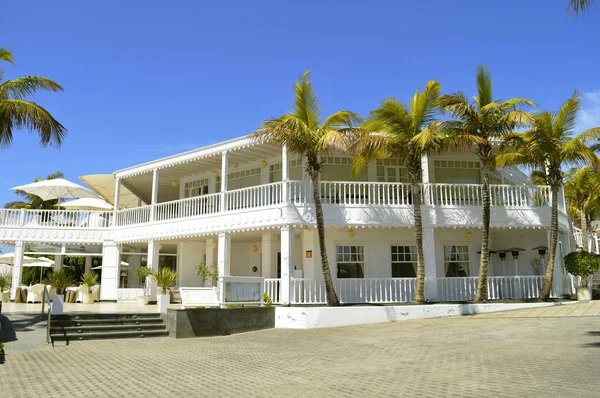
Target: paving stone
{"type": "Point", "coordinates": [521, 353]}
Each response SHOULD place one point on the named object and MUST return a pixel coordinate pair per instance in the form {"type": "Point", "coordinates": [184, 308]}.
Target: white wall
{"type": "Point", "coordinates": [190, 255]}
{"type": "Point", "coordinates": [243, 258]}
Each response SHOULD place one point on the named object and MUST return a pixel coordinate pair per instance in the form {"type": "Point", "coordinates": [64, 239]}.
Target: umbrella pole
{"type": "Point", "coordinates": [41, 270]}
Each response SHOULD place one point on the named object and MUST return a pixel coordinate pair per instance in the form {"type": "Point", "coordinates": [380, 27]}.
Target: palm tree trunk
{"type": "Point", "coordinates": [419, 297]}
{"type": "Point", "coordinates": [332, 299]}
{"type": "Point", "coordinates": [482, 291]}
{"type": "Point", "coordinates": [584, 231]}
{"type": "Point", "coordinates": [545, 294]}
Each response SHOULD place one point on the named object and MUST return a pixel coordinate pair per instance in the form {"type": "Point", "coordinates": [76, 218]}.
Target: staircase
{"type": "Point", "coordinates": [67, 327]}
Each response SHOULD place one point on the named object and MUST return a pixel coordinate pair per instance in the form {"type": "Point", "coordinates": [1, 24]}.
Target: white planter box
{"type": "Point", "coordinates": [57, 304]}
{"type": "Point", "coordinates": [583, 294]}
{"type": "Point", "coordinates": [163, 301]}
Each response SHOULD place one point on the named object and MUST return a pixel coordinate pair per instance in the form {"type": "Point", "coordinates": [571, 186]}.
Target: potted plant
{"type": "Point", "coordinates": [59, 280]}
{"type": "Point", "coordinates": [88, 280]}
{"type": "Point", "coordinates": [5, 281]}
{"type": "Point", "coordinates": [165, 278]}
{"type": "Point", "coordinates": [142, 273]}
{"type": "Point", "coordinates": [582, 264]}
{"type": "Point", "coordinates": [208, 272]}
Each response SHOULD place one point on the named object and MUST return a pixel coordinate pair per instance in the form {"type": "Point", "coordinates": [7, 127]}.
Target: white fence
{"type": "Point", "coordinates": [354, 290]}
{"type": "Point", "coordinates": [500, 195]}
{"type": "Point", "coordinates": [366, 193]}
{"type": "Point", "coordinates": [190, 207]}
{"type": "Point", "coordinates": [499, 287]}
{"type": "Point", "coordinates": [258, 196]}
{"type": "Point", "coordinates": [272, 286]}
{"type": "Point", "coordinates": [136, 215]}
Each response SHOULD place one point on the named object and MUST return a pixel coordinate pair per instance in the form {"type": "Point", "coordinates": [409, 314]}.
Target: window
{"type": "Point", "coordinates": [294, 169]}
{"type": "Point", "coordinates": [404, 261]}
{"type": "Point", "coordinates": [350, 261]}
{"type": "Point", "coordinates": [391, 170]}
{"type": "Point", "coordinates": [456, 261]}
{"type": "Point", "coordinates": [195, 188]}
{"type": "Point", "coordinates": [457, 172]}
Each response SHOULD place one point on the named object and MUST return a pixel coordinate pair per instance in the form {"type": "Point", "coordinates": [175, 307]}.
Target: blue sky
{"type": "Point", "coordinates": [148, 79]}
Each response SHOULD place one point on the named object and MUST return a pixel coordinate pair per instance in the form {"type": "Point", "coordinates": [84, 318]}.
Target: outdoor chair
{"type": "Point", "coordinates": [95, 292]}
{"type": "Point", "coordinates": [34, 293]}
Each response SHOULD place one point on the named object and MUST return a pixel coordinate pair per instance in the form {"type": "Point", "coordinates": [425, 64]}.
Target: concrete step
{"type": "Point", "coordinates": [92, 322]}
{"type": "Point", "coordinates": [106, 316]}
{"type": "Point", "coordinates": [104, 328]}
{"type": "Point", "coordinates": [109, 335]}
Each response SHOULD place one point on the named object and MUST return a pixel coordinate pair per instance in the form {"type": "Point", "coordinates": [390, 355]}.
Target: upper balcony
{"type": "Point", "coordinates": [357, 204]}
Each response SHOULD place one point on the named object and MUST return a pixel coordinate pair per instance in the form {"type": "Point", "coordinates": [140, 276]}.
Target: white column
{"type": "Point", "coordinates": [285, 173]}
{"type": "Point", "coordinates": [17, 269]}
{"type": "Point", "coordinates": [269, 255]}
{"type": "Point", "coordinates": [88, 264]}
{"type": "Point", "coordinates": [223, 259]}
{"type": "Point", "coordinates": [154, 197]}
{"type": "Point", "coordinates": [431, 292]}
{"type": "Point", "coordinates": [426, 180]}
{"type": "Point", "coordinates": [152, 264]}
{"type": "Point", "coordinates": [224, 178]}
{"type": "Point", "coordinates": [110, 271]}
{"type": "Point", "coordinates": [210, 259]}
{"type": "Point", "coordinates": [58, 259]}
{"type": "Point", "coordinates": [287, 263]}
{"type": "Point", "coordinates": [116, 200]}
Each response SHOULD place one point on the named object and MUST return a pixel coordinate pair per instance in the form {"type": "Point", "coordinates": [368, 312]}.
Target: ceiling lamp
{"type": "Point", "coordinates": [469, 235]}
{"type": "Point", "coordinates": [351, 233]}
{"type": "Point", "coordinates": [175, 183]}
{"type": "Point", "coordinates": [215, 173]}
{"type": "Point", "coordinates": [254, 248]}
{"type": "Point", "coordinates": [212, 244]}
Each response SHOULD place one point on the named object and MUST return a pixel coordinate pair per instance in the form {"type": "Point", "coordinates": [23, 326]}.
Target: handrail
{"type": "Point", "coordinates": [46, 299]}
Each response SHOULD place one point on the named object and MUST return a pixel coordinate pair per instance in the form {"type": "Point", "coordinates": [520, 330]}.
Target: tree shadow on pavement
{"type": "Point", "coordinates": [9, 329]}
{"type": "Point", "coordinates": [595, 344]}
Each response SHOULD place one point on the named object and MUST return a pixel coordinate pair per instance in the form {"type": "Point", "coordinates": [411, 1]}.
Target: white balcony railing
{"type": "Point", "coordinates": [258, 196]}
{"type": "Point", "coordinates": [296, 193]}
{"type": "Point", "coordinates": [500, 195]}
{"type": "Point", "coordinates": [366, 193]}
{"type": "Point", "coordinates": [190, 207]}
{"type": "Point", "coordinates": [136, 215]}
{"type": "Point", "coordinates": [83, 219]}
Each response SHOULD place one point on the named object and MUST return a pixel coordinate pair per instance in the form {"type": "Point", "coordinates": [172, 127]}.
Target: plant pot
{"type": "Point", "coordinates": [58, 301]}
{"type": "Point", "coordinates": [583, 294]}
{"type": "Point", "coordinates": [4, 297]}
{"type": "Point", "coordinates": [88, 298]}
{"type": "Point", "coordinates": [163, 301]}
{"type": "Point", "coordinates": [143, 300]}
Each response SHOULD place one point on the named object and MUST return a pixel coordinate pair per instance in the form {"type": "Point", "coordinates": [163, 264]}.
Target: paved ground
{"type": "Point", "coordinates": [542, 352]}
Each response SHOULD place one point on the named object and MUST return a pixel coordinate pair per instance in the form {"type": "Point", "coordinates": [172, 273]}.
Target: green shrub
{"type": "Point", "coordinates": [267, 300]}
{"type": "Point", "coordinates": [164, 278]}
{"type": "Point", "coordinates": [582, 263]}
{"type": "Point", "coordinates": [89, 279]}
{"type": "Point", "coordinates": [208, 271]}
{"type": "Point", "coordinates": [5, 281]}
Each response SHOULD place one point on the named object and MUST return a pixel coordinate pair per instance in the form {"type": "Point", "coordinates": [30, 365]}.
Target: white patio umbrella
{"type": "Point", "coordinates": [41, 262]}
{"type": "Point", "coordinates": [9, 258]}
{"type": "Point", "coordinates": [58, 188]}
{"type": "Point", "coordinates": [87, 204]}
{"type": "Point", "coordinates": [123, 264]}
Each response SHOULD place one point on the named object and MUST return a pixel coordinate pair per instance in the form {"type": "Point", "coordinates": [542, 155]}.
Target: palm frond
{"type": "Point", "coordinates": [6, 55]}
{"type": "Point", "coordinates": [484, 86]}
{"type": "Point", "coordinates": [566, 117]}
{"type": "Point", "coordinates": [307, 107]}
{"type": "Point", "coordinates": [24, 86]}
{"type": "Point", "coordinates": [21, 114]}
{"type": "Point", "coordinates": [579, 6]}
{"type": "Point", "coordinates": [341, 119]}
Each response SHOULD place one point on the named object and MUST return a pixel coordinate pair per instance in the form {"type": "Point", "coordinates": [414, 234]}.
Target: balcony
{"type": "Point", "coordinates": [291, 202]}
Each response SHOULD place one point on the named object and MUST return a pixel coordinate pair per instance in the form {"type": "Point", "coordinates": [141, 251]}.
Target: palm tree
{"type": "Point", "coordinates": [393, 130]}
{"type": "Point", "coordinates": [16, 113]}
{"type": "Point", "coordinates": [482, 124]}
{"type": "Point", "coordinates": [549, 145]}
{"type": "Point", "coordinates": [303, 132]}
{"type": "Point", "coordinates": [580, 6]}
{"type": "Point", "coordinates": [33, 201]}
{"type": "Point", "coordinates": [581, 192]}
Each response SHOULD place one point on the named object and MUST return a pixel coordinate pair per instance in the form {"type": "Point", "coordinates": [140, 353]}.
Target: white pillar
{"type": "Point", "coordinates": [426, 180]}
{"type": "Point", "coordinates": [431, 292]}
{"type": "Point", "coordinates": [285, 173]}
{"type": "Point", "coordinates": [287, 264]}
{"type": "Point", "coordinates": [210, 259]}
{"type": "Point", "coordinates": [224, 178]}
{"type": "Point", "coordinates": [58, 259]}
{"type": "Point", "coordinates": [152, 264]}
{"type": "Point", "coordinates": [154, 197]}
{"type": "Point", "coordinates": [17, 269]}
{"type": "Point", "coordinates": [110, 271]}
{"type": "Point", "coordinates": [116, 200]}
{"type": "Point", "coordinates": [88, 265]}
{"type": "Point", "coordinates": [223, 259]}
{"type": "Point", "coordinates": [269, 255]}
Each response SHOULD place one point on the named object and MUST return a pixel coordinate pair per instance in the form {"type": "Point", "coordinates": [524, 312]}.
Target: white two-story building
{"type": "Point", "coordinates": [247, 206]}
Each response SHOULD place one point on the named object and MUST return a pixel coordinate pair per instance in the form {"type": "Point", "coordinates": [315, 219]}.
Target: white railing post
{"type": "Point", "coordinates": [21, 217]}
{"type": "Point", "coordinates": [287, 263]}
{"type": "Point", "coordinates": [224, 178]}
{"type": "Point", "coordinates": [223, 260]}
{"type": "Point", "coordinates": [154, 195]}
{"type": "Point", "coordinates": [116, 201]}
